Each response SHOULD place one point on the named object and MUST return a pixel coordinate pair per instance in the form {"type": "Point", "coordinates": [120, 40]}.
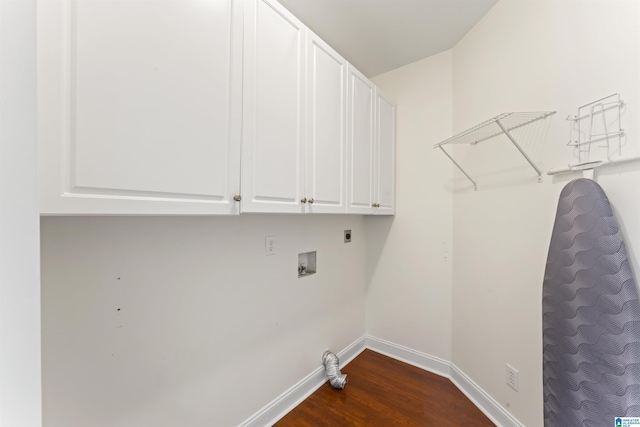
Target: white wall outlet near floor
{"type": "Point", "coordinates": [512, 377]}
{"type": "Point", "coordinates": [270, 245]}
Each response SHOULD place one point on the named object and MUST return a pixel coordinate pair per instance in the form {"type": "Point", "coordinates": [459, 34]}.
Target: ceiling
{"type": "Point", "coordinates": [377, 36]}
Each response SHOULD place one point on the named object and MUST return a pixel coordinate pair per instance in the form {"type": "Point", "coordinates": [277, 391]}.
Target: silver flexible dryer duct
{"type": "Point", "coordinates": [331, 365]}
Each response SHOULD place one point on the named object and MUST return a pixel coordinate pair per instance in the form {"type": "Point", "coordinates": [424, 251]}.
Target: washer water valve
{"type": "Point", "coordinates": [331, 366]}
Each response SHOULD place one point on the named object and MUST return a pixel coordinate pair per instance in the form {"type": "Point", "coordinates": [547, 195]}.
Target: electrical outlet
{"type": "Point", "coordinates": [270, 245]}
{"type": "Point", "coordinates": [512, 377]}
{"type": "Point", "coordinates": [347, 236]}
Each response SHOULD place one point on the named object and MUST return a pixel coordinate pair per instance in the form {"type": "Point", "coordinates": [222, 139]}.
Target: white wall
{"type": "Point", "coordinates": [528, 56]}
{"type": "Point", "coordinates": [167, 321]}
{"type": "Point", "coordinates": [20, 389]}
{"type": "Point", "coordinates": [408, 258]}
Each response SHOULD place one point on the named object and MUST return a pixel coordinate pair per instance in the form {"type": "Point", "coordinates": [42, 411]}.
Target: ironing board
{"type": "Point", "coordinates": [591, 316]}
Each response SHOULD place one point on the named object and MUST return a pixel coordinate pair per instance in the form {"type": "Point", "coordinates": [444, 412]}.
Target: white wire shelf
{"type": "Point", "coordinates": [593, 164]}
{"type": "Point", "coordinates": [501, 124]}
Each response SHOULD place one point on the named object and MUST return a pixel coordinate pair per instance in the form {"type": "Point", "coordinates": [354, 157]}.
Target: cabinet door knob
{"type": "Point", "coordinates": [311, 200]}
{"type": "Point", "coordinates": [237, 197]}
{"type": "Point", "coordinates": [304, 200]}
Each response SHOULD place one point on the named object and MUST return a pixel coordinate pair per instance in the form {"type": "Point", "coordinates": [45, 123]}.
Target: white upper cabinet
{"type": "Point", "coordinates": [385, 161]}
{"type": "Point", "coordinates": [203, 107]}
{"type": "Point", "coordinates": [326, 149]}
{"type": "Point", "coordinates": [360, 142]}
{"type": "Point", "coordinates": [371, 148]}
{"type": "Point", "coordinates": [273, 109]}
{"type": "Point", "coordinates": [139, 106]}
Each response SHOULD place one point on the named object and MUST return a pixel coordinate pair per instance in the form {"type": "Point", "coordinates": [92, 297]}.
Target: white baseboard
{"type": "Point", "coordinates": [291, 398]}
{"type": "Point", "coordinates": [407, 355]}
{"type": "Point", "coordinates": [283, 404]}
{"type": "Point", "coordinates": [492, 409]}
{"type": "Point", "coordinates": [487, 404]}
{"type": "Point", "coordinates": [353, 350]}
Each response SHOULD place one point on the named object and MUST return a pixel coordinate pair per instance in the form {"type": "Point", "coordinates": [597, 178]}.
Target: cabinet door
{"type": "Point", "coordinates": [139, 106]}
{"type": "Point", "coordinates": [385, 155]}
{"type": "Point", "coordinates": [272, 156]}
{"type": "Point", "coordinates": [360, 140]}
{"type": "Point", "coordinates": [326, 149]}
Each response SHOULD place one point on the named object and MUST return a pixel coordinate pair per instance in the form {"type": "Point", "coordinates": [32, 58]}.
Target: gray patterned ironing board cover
{"type": "Point", "coordinates": [591, 316]}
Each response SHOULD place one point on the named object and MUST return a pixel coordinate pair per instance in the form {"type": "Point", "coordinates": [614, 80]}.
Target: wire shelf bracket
{"type": "Point", "coordinates": [506, 123]}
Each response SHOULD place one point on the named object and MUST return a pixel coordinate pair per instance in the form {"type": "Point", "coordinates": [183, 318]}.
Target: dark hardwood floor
{"type": "Point", "coordinates": [385, 392]}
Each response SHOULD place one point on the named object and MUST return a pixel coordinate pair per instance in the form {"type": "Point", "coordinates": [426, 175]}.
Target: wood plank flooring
{"type": "Point", "coordinates": [385, 392]}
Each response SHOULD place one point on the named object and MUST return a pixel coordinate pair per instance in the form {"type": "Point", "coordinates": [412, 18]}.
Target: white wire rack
{"type": "Point", "coordinates": [502, 124]}
{"type": "Point", "coordinates": [601, 114]}
{"type": "Point", "coordinates": [596, 122]}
